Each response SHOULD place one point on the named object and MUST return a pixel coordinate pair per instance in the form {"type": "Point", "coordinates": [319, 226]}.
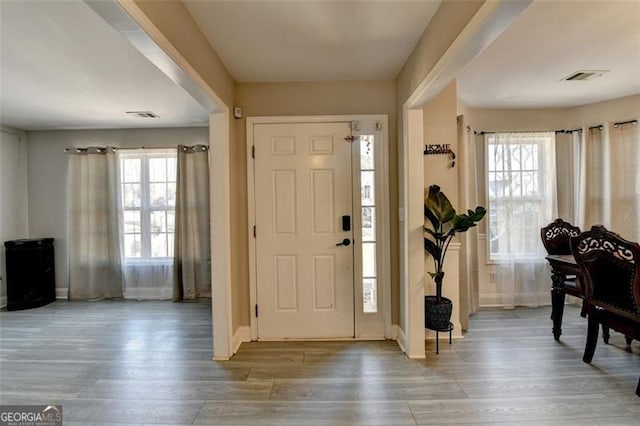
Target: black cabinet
{"type": "Point", "coordinates": [30, 273]}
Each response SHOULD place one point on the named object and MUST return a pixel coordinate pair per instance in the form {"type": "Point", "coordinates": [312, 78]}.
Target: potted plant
{"type": "Point", "coordinates": [441, 225]}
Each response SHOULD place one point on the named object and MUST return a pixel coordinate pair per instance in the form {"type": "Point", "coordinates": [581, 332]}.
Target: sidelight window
{"type": "Point", "coordinates": [368, 220]}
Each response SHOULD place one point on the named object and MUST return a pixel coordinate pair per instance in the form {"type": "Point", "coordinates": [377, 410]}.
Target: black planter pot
{"type": "Point", "coordinates": [437, 316]}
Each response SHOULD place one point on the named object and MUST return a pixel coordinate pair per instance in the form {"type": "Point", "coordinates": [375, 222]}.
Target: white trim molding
{"type": "Point", "coordinates": [242, 335]}
{"type": "Point", "coordinates": [62, 293]}
{"type": "Point", "coordinates": [360, 124]}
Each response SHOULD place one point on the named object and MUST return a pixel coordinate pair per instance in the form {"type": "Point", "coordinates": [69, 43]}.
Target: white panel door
{"type": "Point", "coordinates": [303, 188]}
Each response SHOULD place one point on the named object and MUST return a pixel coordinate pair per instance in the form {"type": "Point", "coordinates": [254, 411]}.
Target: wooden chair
{"type": "Point", "coordinates": [610, 276]}
{"type": "Point", "coordinates": [555, 238]}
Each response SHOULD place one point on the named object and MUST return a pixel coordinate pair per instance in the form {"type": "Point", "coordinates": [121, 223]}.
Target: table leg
{"type": "Point", "coordinates": [557, 303]}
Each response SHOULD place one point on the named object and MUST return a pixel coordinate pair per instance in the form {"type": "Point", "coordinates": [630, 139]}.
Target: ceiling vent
{"type": "Point", "coordinates": [585, 75]}
{"type": "Point", "coordinates": [142, 114]}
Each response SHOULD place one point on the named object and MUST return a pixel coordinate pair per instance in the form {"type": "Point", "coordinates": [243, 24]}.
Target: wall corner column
{"type": "Point", "coordinates": [414, 238]}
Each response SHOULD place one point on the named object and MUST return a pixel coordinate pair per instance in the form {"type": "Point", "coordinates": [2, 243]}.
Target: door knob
{"type": "Point", "coordinates": [344, 242]}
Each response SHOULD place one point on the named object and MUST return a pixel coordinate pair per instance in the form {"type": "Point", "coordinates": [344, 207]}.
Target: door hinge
{"type": "Point", "coordinates": [254, 231]}
{"type": "Point", "coordinates": [253, 151]}
{"type": "Point", "coordinates": [256, 311]}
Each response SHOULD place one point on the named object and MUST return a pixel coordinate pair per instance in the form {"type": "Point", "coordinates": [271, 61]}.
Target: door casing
{"type": "Point", "coordinates": [382, 194]}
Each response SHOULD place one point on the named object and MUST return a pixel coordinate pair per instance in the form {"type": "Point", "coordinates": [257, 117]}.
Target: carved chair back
{"type": "Point", "coordinates": [555, 236]}
{"type": "Point", "coordinates": [609, 269]}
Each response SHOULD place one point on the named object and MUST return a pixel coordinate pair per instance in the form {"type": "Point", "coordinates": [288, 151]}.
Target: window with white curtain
{"type": "Point", "coordinates": [148, 188]}
{"type": "Point", "coordinates": [521, 197]}
{"type": "Point", "coordinates": [521, 192]}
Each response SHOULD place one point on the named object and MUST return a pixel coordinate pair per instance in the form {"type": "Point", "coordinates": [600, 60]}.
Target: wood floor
{"type": "Point", "coordinates": [150, 363]}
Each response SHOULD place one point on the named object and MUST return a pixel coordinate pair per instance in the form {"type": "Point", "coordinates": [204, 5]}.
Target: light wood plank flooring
{"type": "Point", "coordinates": [150, 363]}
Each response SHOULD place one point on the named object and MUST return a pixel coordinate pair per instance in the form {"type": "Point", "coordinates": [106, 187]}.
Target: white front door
{"type": "Point", "coordinates": [304, 252]}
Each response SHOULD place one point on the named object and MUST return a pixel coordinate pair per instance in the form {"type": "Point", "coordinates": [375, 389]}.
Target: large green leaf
{"type": "Point", "coordinates": [432, 248]}
{"type": "Point", "coordinates": [436, 235]}
{"type": "Point", "coordinates": [462, 222]}
{"type": "Point", "coordinates": [435, 222]}
{"type": "Point", "coordinates": [446, 208]}
{"type": "Point", "coordinates": [439, 207]}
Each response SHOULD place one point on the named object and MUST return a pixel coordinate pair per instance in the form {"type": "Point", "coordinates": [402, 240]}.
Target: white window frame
{"type": "Point", "coordinates": [145, 208]}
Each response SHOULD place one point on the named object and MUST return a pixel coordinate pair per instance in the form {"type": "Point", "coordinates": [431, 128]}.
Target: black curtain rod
{"type": "Point", "coordinates": [525, 131]}
{"type": "Point", "coordinates": [96, 149]}
{"type": "Point", "coordinates": [618, 124]}
{"type": "Point", "coordinates": [100, 149]}
{"type": "Point", "coordinates": [568, 131]}
{"type": "Point", "coordinates": [622, 123]}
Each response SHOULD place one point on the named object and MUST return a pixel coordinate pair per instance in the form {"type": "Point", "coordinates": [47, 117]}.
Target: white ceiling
{"type": "Point", "coordinates": [271, 41]}
{"type": "Point", "coordinates": [525, 65]}
{"type": "Point", "coordinates": [63, 66]}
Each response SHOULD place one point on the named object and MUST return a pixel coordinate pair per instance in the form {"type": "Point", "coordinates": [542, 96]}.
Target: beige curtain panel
{"type": "Point", "coordinates": [192, 258]}
{"type": "Point", "coordinates": [95, 270]}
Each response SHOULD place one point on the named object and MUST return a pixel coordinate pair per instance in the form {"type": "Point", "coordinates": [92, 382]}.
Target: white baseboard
{"type": "Point", "coordinates": [3, 301]}
{"type": "Point", "coordinates": [220, 358]}
{"type": "Point", "coordinates": [393, 332]}
{"type": "Point", "coordinates": [242, 334]}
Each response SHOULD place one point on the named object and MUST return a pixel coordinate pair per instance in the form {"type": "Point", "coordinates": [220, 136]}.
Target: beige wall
{"type": "Point", "coordinates": [316, 98]}
{"type": "Point", "coordinates": [440, 127]}
{"type": "Point", "coordinates": [622, 109]}
{"type": "Point", "coordinates": [513, 120]}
